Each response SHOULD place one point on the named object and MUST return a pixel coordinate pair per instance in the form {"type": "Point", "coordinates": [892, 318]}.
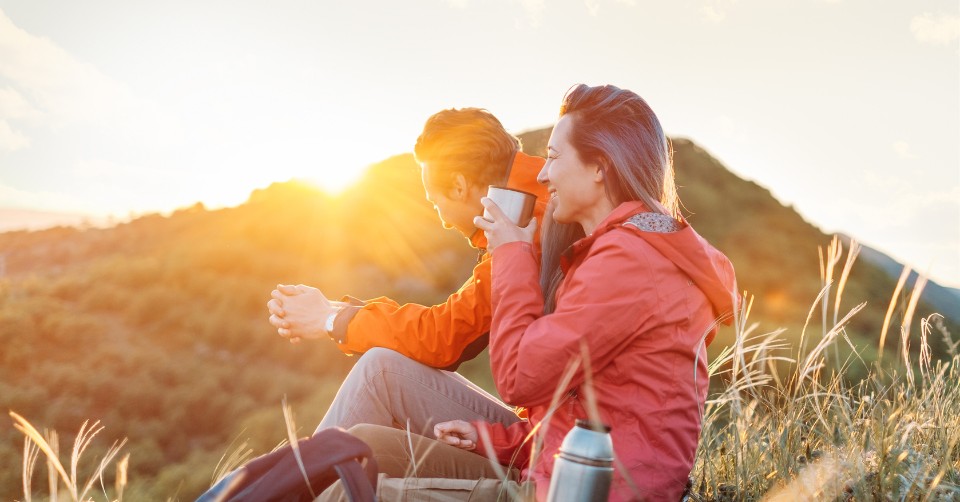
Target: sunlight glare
{"type": "Point", "coordinates": [331, 176]}
{"type": "Point", "coordinates": [333, 180]}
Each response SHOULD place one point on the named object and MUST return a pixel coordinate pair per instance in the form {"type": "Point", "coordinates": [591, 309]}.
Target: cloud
{"type": "Point", "coordinates": [534, 9]}
{"type": "Point", "coordinates": [906, 202]}
{"type": "Point", "coordinates": [941, 29]}
{"type": "Point", "coordinates": [42, 85]}
{"type": "Point", "coordinates": [593, 6]}
{"type": "Point", "coordinates": [11, 140]}
{"type": "Point", "coordinates": [99, 169]}
{"type": "Point", "coordinates": [728, 129]}
{"type": "Point", "coordinates": [44, 200]}
{"type": "Point", "coordinates": [903, 150]}
{"type": "Point", "coordinates": [14, 106]}
{"type": "Point", "coordinates": [715, 11]}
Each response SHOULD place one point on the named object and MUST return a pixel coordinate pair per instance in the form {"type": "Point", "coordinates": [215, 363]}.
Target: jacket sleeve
{"type": "Point", "coordinates": [436, 335]}
{"type": "Point", "coordinates": [603, 307]}
{"type": "Point", "coordinates": [509, 444]}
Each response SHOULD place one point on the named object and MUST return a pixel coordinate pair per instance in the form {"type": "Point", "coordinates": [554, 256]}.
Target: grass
{"type": "Point", "coordinates": [48, 443]}
{"type": "Point", "coordinates": [809, 435]}
{"type": "Point", "coordinates": [784, 423]}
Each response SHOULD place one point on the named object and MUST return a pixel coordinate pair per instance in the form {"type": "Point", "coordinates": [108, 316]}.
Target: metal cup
{"type": "Point", "coordinates": [516, 204]}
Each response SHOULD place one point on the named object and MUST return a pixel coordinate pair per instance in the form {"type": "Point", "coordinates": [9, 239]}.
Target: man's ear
{"type": "Point", "coordinates": [459, 188]}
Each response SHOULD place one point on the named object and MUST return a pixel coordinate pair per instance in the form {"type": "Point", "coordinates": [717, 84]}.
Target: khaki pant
{"type": "Point", "coordinates": [387, 388]}
{"type": "Point", "coordinates": [415, 468]}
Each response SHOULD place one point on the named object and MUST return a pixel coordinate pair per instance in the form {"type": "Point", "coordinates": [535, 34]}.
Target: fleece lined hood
{"type": "Point", "coordinates": [707, 267]}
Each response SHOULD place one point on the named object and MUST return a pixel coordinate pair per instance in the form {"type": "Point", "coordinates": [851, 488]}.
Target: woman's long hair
{"type": "Point", "coordinates": [617, 130]}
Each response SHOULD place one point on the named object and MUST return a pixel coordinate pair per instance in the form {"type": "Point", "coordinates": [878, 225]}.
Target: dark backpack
{"type": "Point", "coordinates": [328, 455]}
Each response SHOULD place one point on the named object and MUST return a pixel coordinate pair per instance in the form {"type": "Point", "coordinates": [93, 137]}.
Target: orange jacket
{"type": "Point", "coordinates": [642, 301]}
{"type": "Point", "coordinates": [443, 335]}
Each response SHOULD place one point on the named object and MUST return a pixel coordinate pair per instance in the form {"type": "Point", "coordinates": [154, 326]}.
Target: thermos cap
{"type": "Point", "coordinates": [583, 470]}
{"type": "Point", "coordinates": [584, 442]}
{"type": "Point", "coordinates": [593, 425]}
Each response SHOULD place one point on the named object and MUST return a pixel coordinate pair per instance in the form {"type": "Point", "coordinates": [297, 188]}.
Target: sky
{"type": "Point", "coordinates": [847, 110]}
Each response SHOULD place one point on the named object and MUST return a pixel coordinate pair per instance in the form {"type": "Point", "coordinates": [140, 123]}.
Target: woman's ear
{"type": "Point", "coordinates": [600, 166]}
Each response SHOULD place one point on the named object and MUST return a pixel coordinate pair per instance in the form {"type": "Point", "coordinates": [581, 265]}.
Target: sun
{"type": "Point", "coordinates": [334, 181]}
{"type": "Point", "coordinates": [336, 170]}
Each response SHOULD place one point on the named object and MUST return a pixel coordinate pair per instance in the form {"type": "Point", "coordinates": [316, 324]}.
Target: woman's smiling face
{"type": "Point", "coordinates": [576, 188]}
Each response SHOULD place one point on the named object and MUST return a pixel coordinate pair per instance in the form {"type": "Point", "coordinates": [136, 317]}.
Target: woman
{"type": "Point", "coordinates": [626, 297]}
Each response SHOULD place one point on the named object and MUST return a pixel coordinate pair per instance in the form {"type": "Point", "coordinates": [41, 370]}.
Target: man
{"type": "Point", "coordinates": [406, 377]}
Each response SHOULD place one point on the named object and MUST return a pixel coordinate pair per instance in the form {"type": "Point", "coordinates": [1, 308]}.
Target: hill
{"type": "Point", "coordinates": [157, 327]}
{"type": "Point", "coordinates": [25, 219]}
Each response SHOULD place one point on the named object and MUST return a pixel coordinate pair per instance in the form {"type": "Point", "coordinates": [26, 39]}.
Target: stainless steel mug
{"type": "Point", "coordinates": [583, 470]}
{"type": "Point", "coordinates": [516, 204]}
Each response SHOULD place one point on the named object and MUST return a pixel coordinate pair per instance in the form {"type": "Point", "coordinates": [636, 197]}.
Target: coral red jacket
{"type": "Point", "coordinates": [442, 335]}
{"type": "Point", "coordinates": [644, 304]}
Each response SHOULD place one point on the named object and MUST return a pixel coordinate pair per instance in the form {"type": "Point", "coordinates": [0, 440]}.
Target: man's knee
{"type": "Point", "coordinates": [378, 359]}
{"type": "Point", "coordinates": [373, 434]}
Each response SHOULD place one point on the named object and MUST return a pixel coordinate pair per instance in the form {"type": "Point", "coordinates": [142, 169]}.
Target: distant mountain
{"type": "Point", "coordinates": [29, 219]}
{"type": "Point", "coordinates": [943, 299]}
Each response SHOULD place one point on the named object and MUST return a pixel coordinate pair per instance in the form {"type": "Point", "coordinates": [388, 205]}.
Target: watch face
{"type": "Point", "coordinates": [328, 326]}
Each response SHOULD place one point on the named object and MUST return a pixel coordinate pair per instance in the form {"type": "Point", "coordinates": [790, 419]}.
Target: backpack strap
{"type": "Point", "coordinates": [328, 455]}
{"type": "Point", "coordinates": [356, 482]}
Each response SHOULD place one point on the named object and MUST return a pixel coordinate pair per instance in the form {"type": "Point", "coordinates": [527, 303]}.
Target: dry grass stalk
{"type": "Point", "coordinates": [48, 446]}
{"type": "Point", "coordinates": [121, 481]}
{"type": "Point", "coordinates": [52, 482]}
{"type": "Point", "coordinates": [893, 305]}
{"type": "Point", "coordinates": [294, 444]}
{"type": "Point", "coordinates": [229, 462]}
{"type": "Point", "coordinates": [30, 454]}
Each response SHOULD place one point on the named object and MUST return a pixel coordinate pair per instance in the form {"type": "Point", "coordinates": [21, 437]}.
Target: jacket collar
{"type": "Point", "coordinates": [616, 217]}
{"type": "Point", "coordinates": [620, 214]}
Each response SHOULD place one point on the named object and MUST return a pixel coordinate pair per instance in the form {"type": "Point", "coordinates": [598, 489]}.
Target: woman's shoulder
{"type": "Point", "coordinates": [653, 222]}
{"type": "Point", "coordinates": [629, 238]}
{"type": "Point", "coordinates": [630, 232]}
{"type": "Point", "coordinates": [622, 240]}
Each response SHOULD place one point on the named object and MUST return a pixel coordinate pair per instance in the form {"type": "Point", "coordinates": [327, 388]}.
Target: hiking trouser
{"type": "Point", "coordinates": [389, 389]}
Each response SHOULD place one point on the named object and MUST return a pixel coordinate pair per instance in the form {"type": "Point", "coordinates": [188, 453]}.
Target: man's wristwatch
{"type": "Point", "coordinates": [328, 325]}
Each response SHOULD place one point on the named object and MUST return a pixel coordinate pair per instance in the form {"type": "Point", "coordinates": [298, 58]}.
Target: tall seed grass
{"type": "Point", "coordinates": [48, 443]}
{"type": "Point", "coordinates": [811, 435]}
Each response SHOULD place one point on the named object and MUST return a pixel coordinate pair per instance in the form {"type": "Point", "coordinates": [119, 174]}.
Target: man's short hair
{"type": "Point", "coordinates": [470, 141]}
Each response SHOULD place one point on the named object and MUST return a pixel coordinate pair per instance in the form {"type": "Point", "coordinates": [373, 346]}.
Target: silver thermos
{"type": "Point", "coordinates": [583, 468]}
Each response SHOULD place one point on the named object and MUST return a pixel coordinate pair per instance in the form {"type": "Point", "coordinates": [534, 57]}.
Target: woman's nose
{"type": "Point", "coordinates": [542, 176]}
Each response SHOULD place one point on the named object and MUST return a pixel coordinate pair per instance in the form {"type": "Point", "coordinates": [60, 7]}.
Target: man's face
{"type": "Point", "coordinates": [456, 205]}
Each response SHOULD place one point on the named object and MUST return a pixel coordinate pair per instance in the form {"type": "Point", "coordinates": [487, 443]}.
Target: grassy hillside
{"type": "Point", "coordinates": [158, 329]}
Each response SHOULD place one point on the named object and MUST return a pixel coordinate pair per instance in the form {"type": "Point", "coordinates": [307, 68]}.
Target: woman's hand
{"type": "Point", "coordinates": [457, 433]}
{"type": "Point", "coordinates": [501, 230]}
